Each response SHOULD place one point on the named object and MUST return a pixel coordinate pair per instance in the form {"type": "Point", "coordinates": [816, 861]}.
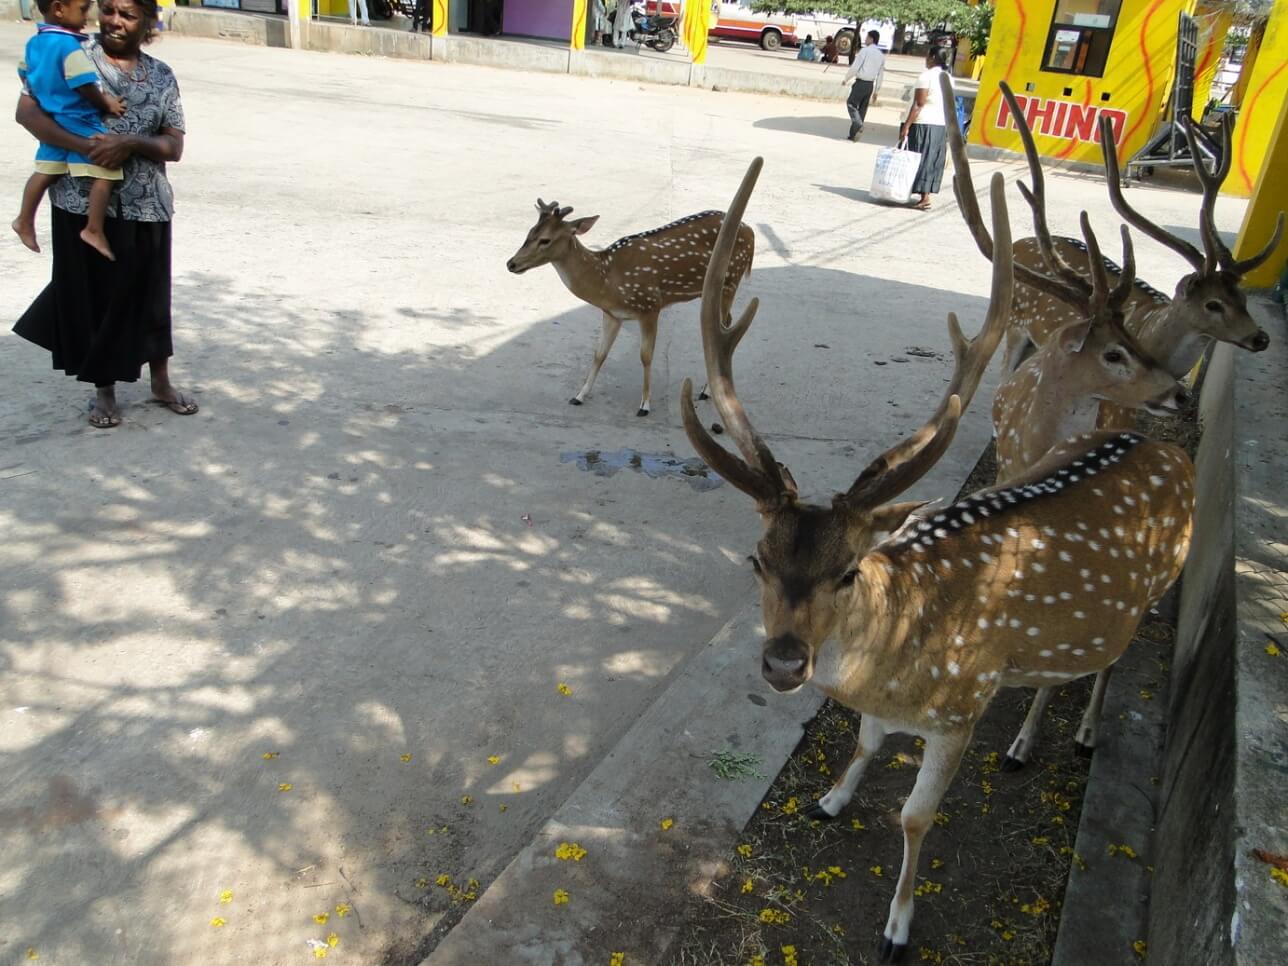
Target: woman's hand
{"type": "Point", "coordinates": [111, 150]}
{"type": "Point", "coordinates": [903, 133]}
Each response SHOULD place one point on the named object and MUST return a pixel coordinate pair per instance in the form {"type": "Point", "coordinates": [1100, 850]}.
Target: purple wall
{"type": "Point", "coordinates": [538, 18]}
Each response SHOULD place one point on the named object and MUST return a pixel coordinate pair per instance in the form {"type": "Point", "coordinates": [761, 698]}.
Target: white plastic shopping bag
{"type": "Point", "coordinates": [895, 171]}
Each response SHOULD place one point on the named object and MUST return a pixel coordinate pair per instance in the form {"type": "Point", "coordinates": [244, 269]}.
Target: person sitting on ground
{"type": "Point", "coordinates": [65, 85]}
{"type": "Point", "coordinates": [807, 49]}
{"type": "Point", "coordinates": [829, 50]}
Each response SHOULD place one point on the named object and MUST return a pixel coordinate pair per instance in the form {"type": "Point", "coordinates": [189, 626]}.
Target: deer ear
{"type": "Point", "coordinates": [1074, 337]}
{"type": "Point", "coordinates": [892, 516]}
{"type": "Point", "coordinates": [583, 225]}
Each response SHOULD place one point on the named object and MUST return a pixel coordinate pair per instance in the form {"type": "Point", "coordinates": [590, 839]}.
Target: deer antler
{"type": "Point", "coordinates": [757, 474]}
{"type": "Point", "coordinates": [1113, 180]}
{"type": "Point", "coordinates": [964, 190]}
{"type": "Point", "coordinates": [1216, 251]}
{"type": "Point", "coordinates": [904, 464]}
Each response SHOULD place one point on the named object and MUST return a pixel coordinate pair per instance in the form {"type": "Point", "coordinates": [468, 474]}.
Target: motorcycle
{"type": "Point", "coordinates": [652, 31]}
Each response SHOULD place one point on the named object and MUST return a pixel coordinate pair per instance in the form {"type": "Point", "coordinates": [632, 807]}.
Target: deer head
{"type": "Point", "coordinates": [1209, 298]}
{"type": "Point", "coordinates": [550, 239]}
{"type": "Point", "coordinates": [810, 557]}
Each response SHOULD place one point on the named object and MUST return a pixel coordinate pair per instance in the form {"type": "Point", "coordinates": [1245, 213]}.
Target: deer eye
{"type": "Point", "coordinates": [1114, 356]}
{"type": "Point", "coordinates": [1212, 305]}
{"type": "Point", "coordinates": [848, 578]}
{"type": "Point", "coordinates": [755, 565]}
{"type": "Point", "coordinates": [544, 241]}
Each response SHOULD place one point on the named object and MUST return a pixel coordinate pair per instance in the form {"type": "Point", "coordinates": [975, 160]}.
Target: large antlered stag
{"type": "Point", "coordinates": [633, 278]}
{"type": "Point", "coordinates": [919, 630]}
{"type": "Point", "coordinates": [1207, 303]}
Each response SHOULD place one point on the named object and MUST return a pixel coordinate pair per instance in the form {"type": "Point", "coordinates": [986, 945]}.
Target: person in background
{"type": "Point", "coordinates": [924, 130]}
{"type": "Point", "coordinates": [422, 17]}
{"type": "Point", "coordinates": [829, 50]}
{"type": "Point", "coordinates": [867, 72]}
{"type": "Point", "coordinates": [353, 12]}
{"type": "Point", "coordinates": [622, 23]}
{"type": "Point", "coordinates": [807, 49]}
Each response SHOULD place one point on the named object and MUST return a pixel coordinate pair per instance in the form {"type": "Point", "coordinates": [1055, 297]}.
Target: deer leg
{"type": "Point", "coordinates": [872, 734]}
{"type": "Point", "coordinates": [1085, 741]}
{"type": "Point", "coordinates": [648, 339]}
{"type": "Point", "coordinates": [938, 767]}
{"type": "Point", "coordinates": [607, 335]}
{"type": "Point", "coordinates": [1018, 755]}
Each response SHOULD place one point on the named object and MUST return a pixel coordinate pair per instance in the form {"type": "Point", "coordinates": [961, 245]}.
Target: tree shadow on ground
{"type": "Point", "coordinates": [281, 592]}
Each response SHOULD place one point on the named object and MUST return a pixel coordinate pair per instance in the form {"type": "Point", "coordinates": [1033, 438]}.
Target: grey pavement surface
{"type": "Point", "coordinates": [331, 562]}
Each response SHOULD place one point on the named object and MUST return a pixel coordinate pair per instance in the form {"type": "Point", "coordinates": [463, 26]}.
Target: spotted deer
{"type": "Point", "coordinates": [1089, 372]}
{"type": "Point", "coordinates": [633, 278]}
{"type": "Point", "coordinates": [1056, 393]}
{"type": "Point", "coordinates": [1207, 304]}
{"type": "Point", "coordinates": [916, 623]}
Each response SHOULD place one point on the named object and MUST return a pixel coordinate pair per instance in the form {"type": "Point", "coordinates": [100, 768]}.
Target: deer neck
{"type": "Point", "coordinates": [1164, 333]}
{"type": "Point", "coordinates": [863, 654]}
{"type": "Point", "coordinates": [1058, 409]}
{"type": "Point", "coordinates": [584, 273]}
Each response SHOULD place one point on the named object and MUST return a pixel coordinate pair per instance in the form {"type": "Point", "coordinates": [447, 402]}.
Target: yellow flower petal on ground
{"type": "Point", "coordinates": [745, 851]}
{"type": "Point", "coordinates": [1272, 649]}
{"type": "Point", "coordinates": [876, 870]}
{"type": "Point", "coordinates": [667, 823]}
{"type": "Point", "coordinates": [285, 787]}
{"type": "Point", "coordinates": [342, 909]}
{"type": "Point", "coordinates": [789, 955]}
{"type": "Point", "coordinates": [1146, 695]}
{"type": "Point", "coordinates": [617, 959]}
{"type": "Point", "coordinates": [791, 806]}
{"type": "Point", "coordinates": [1279, 875]}
{"type": "Point", "coordinates": [1140, 947]}
{"type": "Point", "coordinates": [570, 850]}
{"type": "Point", "coordinates": [406, 757]}
{"type": "Point", "coordinates": [218, 921]}
{"type": "Point", "coordinates": [757, 960]}
{"type": "Point", "coordinates": [564, 689]}
{"type": "Point", "coordinates": [561, 897]}
{"type": "Point", "coordinates": [467, 799]}
{"type": "Point", "coordinates": [936, 863]}
{"type": "Point", "coordinates": [502, 807]}
{"type": "Point", "coordinates": [443, 880]}
{"type": "Point", "coordinates": [321, 918]}
{"type": "Point", "coordinates": [775, 917]}
{"type": "Point", "coordinates": [857, 825]}
{"type": "Point", "coordinates": [332, 940]}
{"type": "Point", "coordinates": [270, 755]}
{"type": "Point", "coordinates": [748, 886]}
{"type": "Point", "coordinates": [32, 954]}
{"type": "Point", "coordinates": [226, 896]}
{"type": "Point", "coordinates": [493, 759]}
{"type": "Point", "coordinates": [319, 952]}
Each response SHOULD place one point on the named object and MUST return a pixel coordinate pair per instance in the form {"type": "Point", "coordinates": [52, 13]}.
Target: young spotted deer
{"type": "Point", "coordinates": [1090, 369]}
{"type": "Point", "coordinates": [919, 630]}
{"type": "Point", "coordinates": [633, 278]}
{"type": "Point", "coordinates": [1057, 392]}
{"type": "Point", "coordinates": [1207, 304]}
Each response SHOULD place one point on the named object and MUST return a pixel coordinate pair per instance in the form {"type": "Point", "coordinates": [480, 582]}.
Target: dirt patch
{"type": "Point", "coordinates": [992, 873]}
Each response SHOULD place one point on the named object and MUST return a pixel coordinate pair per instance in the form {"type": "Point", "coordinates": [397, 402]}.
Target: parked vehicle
{"type": "Point", "coordinates": [774, 30]}
{"type": "Point", "coordinates": [652, 30]}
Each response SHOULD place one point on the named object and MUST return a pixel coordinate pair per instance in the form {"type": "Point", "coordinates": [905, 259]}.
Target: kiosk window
{"type": "Point", "coordinates": [1081, 32]}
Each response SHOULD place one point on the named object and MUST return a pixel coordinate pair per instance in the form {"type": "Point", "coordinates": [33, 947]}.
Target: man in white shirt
{"type": "Point", "coordinates": [867, 71]}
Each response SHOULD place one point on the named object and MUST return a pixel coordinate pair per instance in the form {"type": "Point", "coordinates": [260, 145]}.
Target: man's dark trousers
{"type": "Point", "coordinates": [857, 102]}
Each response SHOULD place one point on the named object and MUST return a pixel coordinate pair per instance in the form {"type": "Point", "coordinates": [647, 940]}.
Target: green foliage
{"type": "Point", "coordinates": [929, 13]}
{"type": "Point", "coordinates": [975, 26]}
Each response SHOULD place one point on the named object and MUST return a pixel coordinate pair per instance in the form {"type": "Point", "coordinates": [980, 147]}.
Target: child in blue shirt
{"type": "Point", "coordinates": [60, 76]}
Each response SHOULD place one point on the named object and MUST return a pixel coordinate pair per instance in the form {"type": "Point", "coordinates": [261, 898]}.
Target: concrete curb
{"type": "Point", "coordinates": [623, 894]}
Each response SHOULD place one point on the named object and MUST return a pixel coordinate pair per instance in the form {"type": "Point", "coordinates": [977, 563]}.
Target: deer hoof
{"type": "Point", "coordinates": [1012, 764]}
{"type": "Point", "coordinates": [642, 412]}
{"type": "Point", "coordinates": [817, 813]}
{"type": "Point", "coordinates": [1083, 751]}
{"type": "Point", "coordinates": [704, 395]}
{"type": "Point", "coordinates": [574, 401]}
{"type": "Point", "coordinates": [717, 428]}
{"type": "Point", "coordinates": [891, 952]}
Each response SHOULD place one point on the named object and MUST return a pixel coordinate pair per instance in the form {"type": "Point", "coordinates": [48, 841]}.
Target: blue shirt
{"type": "Point", "coordinates": [53, 66]}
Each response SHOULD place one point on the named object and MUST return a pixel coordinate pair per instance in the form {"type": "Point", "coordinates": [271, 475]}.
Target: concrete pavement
{"type": "Point", "coordinates": [333, 563]}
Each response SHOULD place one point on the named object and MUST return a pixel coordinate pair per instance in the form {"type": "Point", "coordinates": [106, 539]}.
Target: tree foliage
{"type": "Point", "coordinates": [928, 13]}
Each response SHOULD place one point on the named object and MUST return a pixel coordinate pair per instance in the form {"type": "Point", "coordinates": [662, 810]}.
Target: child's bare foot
{"type": "Point", "coordinates": [98, 241]}
{"type": "Point", "coordinates": [27, 234]}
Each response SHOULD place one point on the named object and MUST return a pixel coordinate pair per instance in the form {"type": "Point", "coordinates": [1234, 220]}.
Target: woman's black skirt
{"type": "Point", "coordinates": [931, 141]}
{"type": "Point", "coordinates": [100, 320]}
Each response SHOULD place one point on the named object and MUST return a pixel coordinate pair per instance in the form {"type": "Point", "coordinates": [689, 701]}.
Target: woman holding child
{"type": "Point", "coordinates": [102, 320]}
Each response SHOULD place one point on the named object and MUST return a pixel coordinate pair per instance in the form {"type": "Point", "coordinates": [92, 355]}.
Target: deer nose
{"type": "Point", "coordinates": [510, 264]}
{"type": "Point", "coordinates": [1259, 342]}
{"type": "Point", "coordinates": [785, 663]}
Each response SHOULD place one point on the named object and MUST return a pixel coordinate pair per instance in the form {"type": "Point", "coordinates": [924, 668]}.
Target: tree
{"type": "Point", "coordinates": [902, 13]}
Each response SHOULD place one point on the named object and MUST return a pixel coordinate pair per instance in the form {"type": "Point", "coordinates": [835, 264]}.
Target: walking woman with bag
{"type": "Point", "coordinates": [924, 130]}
